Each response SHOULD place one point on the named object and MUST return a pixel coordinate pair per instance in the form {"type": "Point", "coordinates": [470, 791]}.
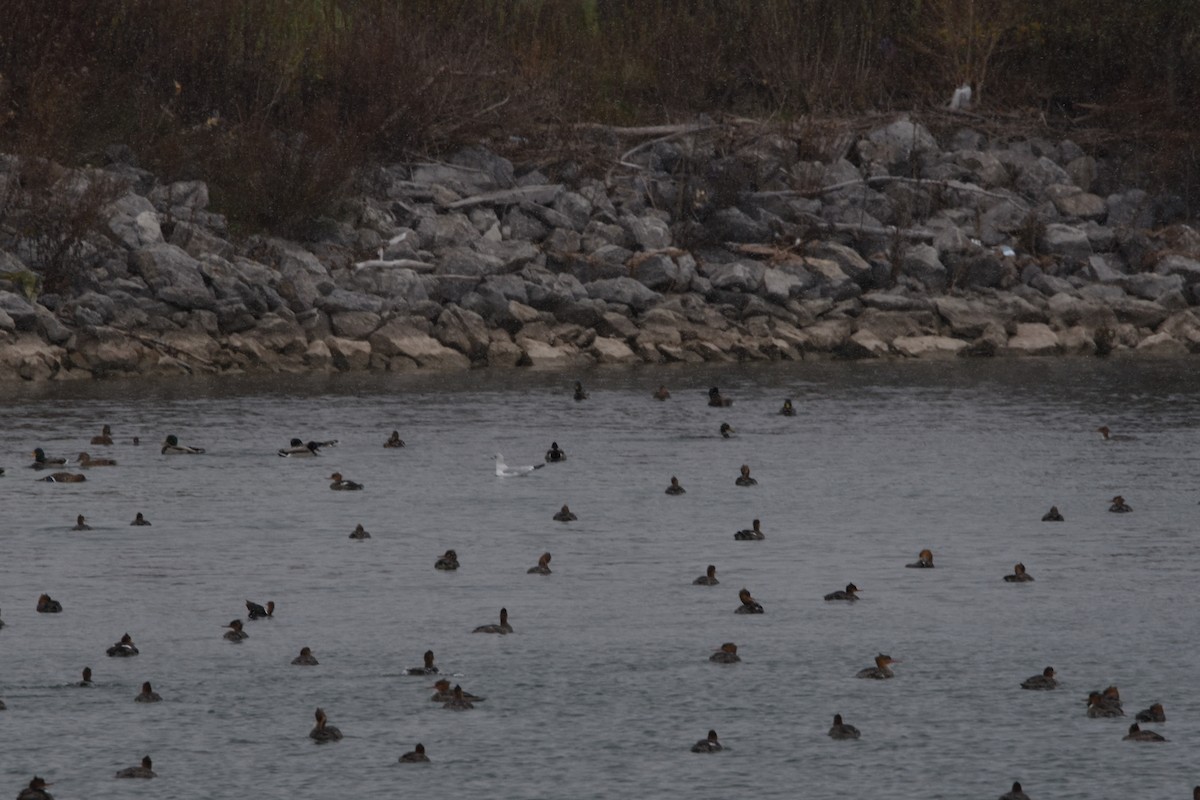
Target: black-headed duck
{"type": "Point", "coordinates": [749, 604]}
{"type": "Point", "coordinates": [726, 655]}
{"type": "Point", "coordinates": [340, 484]}
{"type": "Point", "coordinates": [87, 678]}
{"type": "Point", "coordinates": [675, 488]}
{"type": "Point", "coordinates": [394, 440]}
{"type": "Point", "coordinates": [543, 566]}
{"type": "Point", "coordinates": [255, 611]}
{"type": "Point", "coordinates": [788, 409]}
{"type": "Point", "coordinates": [840, 730]}
{"type": "Point", "coordinates": [1041, 682]}
{"type": "Point", "coordinates": [1119, 506]}
{"type": "Point", "coordinates": [1154, 713]}
{"type": "Point", "coordinates": [745, 479]}
{"type": "Point", "coordinates": [752, 534]}
{"type": "Point", "coordinates": [124, 648]}
{"type": "Point", "coordinates": [306, 658]}
{"type": "Point", "coordinates": [458, 701]}
{"type": "Point", "coordinates": [503, 627]}
{"type": "Point", "coordinates": [36, 790]}
{"type": "Point", "coordinates": [415, 756]}
{"type": "Point", "coordinates": [47, 605]}
{"type": "Point", "coordinates": [1053, 515]}
{"type": "Point", "coordinates": [148, 695]}
{"type": "Point", "coordinates": [323, 732]}
{"type": "Point", "coordinates": [300, 449]}
{"type": "Point", "coordinates": [140, 520]}
{"type": "Point", "coordinates": [64, 477]}
{"type": "Point", "coordinates": [143, 771]}
{"type": "Point", "coordinates": [881, 670]}
{"type": "Point", "coordinates": [580, 394]}
{"type": "Point", "coordinates": [1019, 575]}
{"type": "Point", "coordinates": [555, 453]}
{"type": "Point", "coordinates": [447, 562]}
{"type": "Point", "coordinates": [427, 669]}
{"type": "Point", "coordinates": [235, 632]}
{"type": "Point", "coordinates": [171, 446]}
{"type": "Point", "coordinates": [661, 393]}
{"type": "Point", "coordinates": [360, 532]}
{"type": "Point", "coordinates": [444, 693]}
{"type": "Point", "coordinates": [105, 437]}
{"type": "Point", "coordinates": [726, 430]}
{"type": "Point", "coordinates": [85, 460]}
{"type": "Point", "coordinates": [1016, 794]}
{"type": "Point", "coordinates": [41, 460]}
{"type": "Point", "coordinates": [565, 515]}
{"type": "Point", "coordinates": [924, 560]}
{"type": "Point", "coordinates": [716, 400]}
{"type": "Point", "coordinates": [81, 524]}
{"type": "Point", "coordinates": [1136, 734]}
{"type": "Point", "coordinates": [849, 593]}
{"type": "Point", "coordinates": [1109, 436]}
{"type": "Point", "coordinates": [708, 745]}
{"type": "Point", "coordinates": [709, 578]}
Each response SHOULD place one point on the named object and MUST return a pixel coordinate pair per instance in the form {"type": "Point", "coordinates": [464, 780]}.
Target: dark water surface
{"type": "Point", "coordinates": [606, 682]}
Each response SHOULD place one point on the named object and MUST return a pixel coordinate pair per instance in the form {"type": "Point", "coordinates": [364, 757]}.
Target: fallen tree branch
{"type": "Point", "coordinates": [623, 161]}
{"type": "Point", "coordinates": [880, 180]}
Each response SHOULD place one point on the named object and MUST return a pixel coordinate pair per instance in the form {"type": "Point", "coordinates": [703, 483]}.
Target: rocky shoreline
{"type": "Point", "coordinates": [890, 245]}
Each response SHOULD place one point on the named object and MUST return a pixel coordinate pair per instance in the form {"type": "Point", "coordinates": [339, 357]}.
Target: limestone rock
{"type": "Point", "coordinates": [399, 338]}
{"type": "Point", "coordinates": [612, 351]}
{"type": "Point", "coordinates": [348, 355]}
{"type": "Point", "coordinates": [1161, 345]}
{"type": "Point", "coordinates": [1033, 339]}
{"type": "Point", "coordinates": [928, 347]}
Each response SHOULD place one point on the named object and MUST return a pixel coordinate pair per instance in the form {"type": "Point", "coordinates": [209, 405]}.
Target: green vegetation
{"type": "Point", "coordinates": [274, 102]}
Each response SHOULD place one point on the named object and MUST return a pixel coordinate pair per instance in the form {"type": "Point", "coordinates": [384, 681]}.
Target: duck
{"type": "Point", "coordinates": [394, 440]}
{"type": "Point", "coordinates": [140, 520]}
{"type": "Point", "coordinates": [64, 477]}
{"type": "Point", "coordinates": [306, 658]}
{"type": "Point", "coordinates": [235, 632]}
{"type": "Point", "coordinates": [924, 560]}
{"type": "Point", "coordinates": [340, 484]}
{"type": "Point", "coordinates": [752, 534]}
{"type": "Point", "coordinates": [881, 670]}
{"type": "Point", "coordinates": [749, 604]}
{"type": "Point", "coordinates": [87, 678]}
{"type": "Point", "coordinates": [105, 437]}
{"type": "Point", "coordinates": [543, 566]}
{"type": "Point", "coordinates": [256, 611]}
{"type": "Point", "coordinates": [709, 578]}
{"type": "Point", "coordinates": [458, 701]}
{"type": "Point", "coordinates": [580, 394]}
{"type": "Point", "coordinates": [565, 515]}
{"type": "Point", "coordinates": [555, 453]}
{"type": "Point", "coordinates": [1041, 682]}
{"type": "Point", "coordinates": [323, 732]}
{"type": "Point", "coordinates": [36, 790]}
{"type": "Point", "coordinates": [502, 628]}
{"type": "Point", "coordinates": [85, 460]}
{"type": "Point", "coordinates": [1, 623]}
{"type": "Point", "coordinates": [1154, 713]}
{"type": "Point", "coordinates": [725, 430]}
{"type": "Point", "coordinates": [415, 756]}
{"type": "Point", "coordinates": [1053, 515]}
{"type": "Point", "coordinates": [675, 488]}
{"type": "Point", "coordinates": [1119, 506]}
{"type": "Point", "coordinates": [447, 562]}
{"type": "Point", "coordinates": [427, 669]}
{"type": "Point", "coordinates": [661, 393]}
{"type": "Point", "coordinates": [840, 730]}
{"type": "Point", "coordinates": [1109, 436]}
{"type": "Point", "coordinates": [1136, 734]}
{"type": "Point", "coordinates": [360, 532]}
{"type": "Point", "coordinates": [148, 695]}
{"type": "Point", "coordinates": [789, 410]}
{"type": "Point", "coordinates": [47, 605]}
{"type": "Point", "coordinates": [726, 655]}
{"type": "Point", "coordinates": [41, 460]}
{"type": "Point", "coordinates": [123, 649]}
{"type": "Point", "coordinates": [171, 446]}
{"type": "Point", "coordinates": [1016, 794]}
{"type": "Point", "coordinates": [849, 593]}
{"type": "Point", "coordinates": [708, 745]}
{"type": "Point", "coordinates": [81, 524]}
{"type": "Point", "coordinates": [444, 693]}
{"type": "Point", "coordinates": [745, 479]}
{"type": "Point", "coordinates": [144, 771]}
{"type": "Point", "coordinates": [1100, 707]}
{"type": "Point", "coordinates": [1019, 575]}
{"type": "Point", "coordinates": [716, 400]}
{"type": "Point", "coordinates": [299, 449]}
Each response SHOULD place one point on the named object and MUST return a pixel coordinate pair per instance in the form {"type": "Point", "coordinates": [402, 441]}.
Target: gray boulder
{"type": "Point", "coordinates": [623, 291]}
{"type": "Point", "coordinates": [921, 262]}
{"type": "Point", "coordinates": [21, 313]}
{"type": "Point", "coordinates": [736, 276]}
{"type": "Point", "coordinates": [173, 275]}
{"type": "Point", "coordinates": [1068, 241]}
{"type": "Point", "coordinates": [134, 222]}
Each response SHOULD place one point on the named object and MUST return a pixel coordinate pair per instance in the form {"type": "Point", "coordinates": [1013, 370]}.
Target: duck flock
{"type": "Point", "coordinates": [257, 618]}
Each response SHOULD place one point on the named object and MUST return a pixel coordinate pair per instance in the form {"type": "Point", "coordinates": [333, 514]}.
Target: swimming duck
{"type": "Point", "coordinates": [444, 693]}
{"type": "Point", "coordinates": [124, 648]}
{"type": "Point", "coordinates": [36, 790]}
{"type": "Point", "coordinates": [323, 732]}
{"type": "Point", "coordinates": [447, 562]}
{"type": "Point", "coordinates": [726, 655]}
{"type": "Point", "coordinates": [1, 623]}
{"type": "Point", "coordinates": [1100, 707]}
{"type": "Point", "coordinates": [675, 488]}
{"type": "Point", "coordinates": [716, 400]}
{"type": "Point", "coordinates": [85, 460]}
{"type": "Point", "coordinates": [555, 453]}
{"type": "Point", "coordinates": [41, 460]}
{"type": "Point", "coordinates": [1053, 515]}
{"type": "Point", "coordinates": [340, 484]}
{"type": "Point", "coordinates": [235, 632]}
{"type": "Point", "coordinates": [81, 524]}
{"type": "Point", "coordinates": [1044, 681]}
{"type": "Point", "coordinates": [1109, 436]}
{"type": "Point", "coordinates": [840, 730]}
{"type": "Point", "coordinates": [144, 771]}
{"type": "Point", "coordinates": [258, 612]}
{"type": "Point", "coordinates": [394, 440]}
{"type": "Point", "coordinates": [726, 429]}
{"type": "Point", "coordinates": [745, 479]}
{"type": "Point", "coordinates": [849, 593]}
{"type": "Point", "coordinates": [1154, 713]}
{"type": "Point", "coordinates": [63, 477]}
{"type": "Point", "coordinates": [788, 411]}
{"type": "Point", "coordinates": [171, 446]}
{"type": "Point", "coordinates": [1136, 734]}
{"type": "Point", "coordinates": [1119, 506]}
{"type": "Point", "coordinates": [148, 695]}
{"type": "Point", "coordinates": [709, 745]}
{"type": "Point", "coordinates": [306, 658]}
{"type": "Point", "coordinates": [924, 560]}
{"type": "Point", "coordinates": [749, 604]}
{"type": "Point", "coordinates": [752, 534]}
{"type": "Point", "coordinates": [503, 627]}
{"type": "Point", "coordinates": [661, 393]}
{"type": "Point", "coordinates": [105, 437]}
{"type": "Point", "coordinates": [458, 701]}
{"type": "Point", "coordinates": [360, 532]}
{"type": "Point", "coordinates": [565, 515]}
{"type": "Point", "coordinates": [543, 566]}
{"type": "Point", "coordinates": [428, 669]}
{"type": "Point", "coordinates": [580, 394]}
{"type": "Point", "coordinates": [416, 756]}
{"type": "Point", "coordinates": [709, 578]}
{"type": "Point", "coordinates": [45, 605]}
{"type": "Point", "coordinates": [1016, 794]}
{"type": "Point", "coordinates": [299, 449]}
{"type": "Point", "coordinates": [140, 520]}
{"type": "Point", "coordinates": [87, 678]}
{"type": "Point", "coordinates": [881, 670]}
{"type": "Point", "coordinates": [1019, 575]}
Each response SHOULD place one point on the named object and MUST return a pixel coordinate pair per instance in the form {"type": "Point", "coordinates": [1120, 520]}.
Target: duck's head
{"type": "Point", "coordinates": [126, 639]}
{"type": "Point", "coordinates": [147, 763]}
{"type": "Point", "coordinates": [837, 719]}
{"type": "Point", "coordinates": [882, 660]}
{"type": "Point", "coordinates": [787, 404]}
{"type": "Point", "coordinates": [712, 736]}
{"type": "Point", "coordinates": [146, 688]}
{"type": "Point", "coordinates": [729, 647]}
{"type": "Point", "coordinates": [306, 651]}
{"type": "Point", "coordinates": [711, 571]}
{"type": "Point", "coordinates": [359, 529]}
{"type": "Point", "coordinates": [419, 749]}
{"type": "Point", "coordinates": [1134, 728]}
{"type": "Point", "coordinates": [726, 429]}
{"type": "Point", "coordinates": [503, 616]}
{"type": "Point", "coordinates": [1048, 672]}
{"type": "Point", "coordinates": [554, 445]}
{"type": "Point", "coordinates": [172, 440]}
{"type": "Point", "coordinates": [106, 431]}
{"type": "Point", "coordinates": [1094, 698]}
{"type": "Point", "coordinates": [442, 685]}
{"type": "Point", "coordinates": [714, 392]}
{"type": "Point", "coordinates": [458, 693]}
{"type": "Point", "coordinates": [1018, 568]}
{"type": "Point", "coordinates": [235, 625]}
{"type": "Point", "coordinates": [674, 481]}
{"type": "Point", "coordinates": [1118, 500]}
{"type": "Point", "coordinates": [139, 517]}
{"type": "Point", "coordinates": [1053, 509]}
{"type": "Point", "coordinates": [745, 596]}
{"type": "Point", "coordinates": [79, 520]}
{"type": "Point", "coordinates": [43, 599]}
{"type": "Point", "coordinates": [578, 386]}
{"type": "Point", "coordinates": [565, 509]}
{"type": "Point", "coordinates": [39, 454]}
{"type": "Point", "coordinates": [84, 457]}
{"type": "Point", "coordinates": [1157, 708]}
{"type": "Point", "coordinates": [320, 717]}
{"type": "Point", "coordinates": [38, 783]}
{"type": "Point", "coordinates": [544, 560]}
{"type": "Point", "coordinates": [745, 470]}
{"type": "Point", "coordinates": [296, 443]}
{"type": "Point", "coordinates": [852, 589]}
{"type": "Point", "coordinates": [1103, 431]}
{"type": "Point", "coordinates": [87, 674]}
{"type": "Point", "coordinates": [1111, 693]}
{"type": "Point", "coordinates": [428, 658]}
{"type": "Point", "coordinates": [756, 525]}
{"type": "Point", "coordinates": [270, 607]}
{"type": "Point", "coordinates": [335, 477]}
{"type": "Point", "coordinates": [926, 556]}
{"type": "Point", "coordinates": [1016, 787]}
{"type": "Point", "coordinates": [450, 555]}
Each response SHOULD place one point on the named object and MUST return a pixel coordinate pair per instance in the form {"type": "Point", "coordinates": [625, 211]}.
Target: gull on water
{"type": "Point", "coordinates": [505, 471]}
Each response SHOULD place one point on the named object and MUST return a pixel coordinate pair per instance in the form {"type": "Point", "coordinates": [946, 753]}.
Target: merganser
{"type": "Point", "coordinates": [235, 632]}
{"type": "Point", "coordinates": [709, 745]}
{"type": "Point", "coordinates": [360, 532]}
{"type": "Point", "coordinates": [716, 400]}
{"type": "Point", "coordinates": [745, 479]}
{"type": "Point", "coordinates": [394, 440]}
{"type": "Point", "coordinates": [416, 756]}
{"type": "Point", "coordinates": [85, 460]}
{"type": "Point", "coordinates": [447, 562]}
{"type": "Point", "coordinates": [565, 515]}
{"type": "Point", "coordinates": [1019, 575]}
{"type": "Point", "coordinates": [840, 730]}
{"type": "Point", "coordinates": [749, 604]}
{"type": "Point", "coordinates": [63, 477]}
{"type": "Point", "coordinates": [458, 701]}
{"type": "Point", "coordinates": [924, 560]}
{"type": "Point", "coordinates": [709, 578]}
{"type": "Point", "coordinates": [881, 670]}
{"type": "Point", "coordinates": [1109, 436]}
{"type": "Point", "coordinates": [1016, 794]}
{"type": "Point", "coordinates": [340, 484]}
{"type": "Point", "coordinates": [427, 669]}
{"type": "Point", "coordinates": [555, 453]}
{"type": "Point", "coordinates": [299, 449]}
{"type": "Point", "coordinates": [1119, 506]}
{"type": "Point", "coordinates": [1044, 681]}
{"type": "Point", "coordinates": [725, 430]}
{"type": "Point", "coordinates": [444, 693]}
{"type": "Point", "coordinates": [87, 678]}
{"type": "Point", "coordinates": [580, 394]}
{"type": "Point", "coordinates": [140, 520]}
{"type": "Point", "coordinates": [502, 628]}
{"type": "Point", "coordinates": [148, 695]}
{"type": "Point", "coordinates": [726, 655]}
{"type": "Point", "coordinates": [144, 771]}
{"type": "Point", "coordinates": [661, 393]}
{"type": "Point", "coordinates": [1154, 713]}
{"type": "Point", "coordinates": [256, 611]}
{"type": "Point", "coordinates": [543, 566]}
{"type": "Point", "coordinates": [675, 488]}
{"type": "Point", "coordinates": [752, 534]}
{"type": "Point", "coordinates": [105, 437]}
{"type": "Point", "coordinates": [1100, 706]}
{"type": "Point", "coordinates": [323, 732]}
{"type": "Point", "coordinates": [1136, 734]}
{"type": "Point", "coordinates": [171, 446]}
{"type": "Point", "coordinates": [41, 460]}
{"type": "Point", "coordinates": [46, 605]}
{"type": "Point", "coordinates": [849, 593]}
{"type": "Point", "coordinates": [1053, 515]}
{"type": "Point", "coordinates": [306, 658]}
{"type": "Point", "coordinates": [788, 410]}
{"type": "Point", "coordinates": [36, 790]}
{"type": "Point", "coordinates": [81, 524]}
{"type": "Point", "coordinates": [123, 649]}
